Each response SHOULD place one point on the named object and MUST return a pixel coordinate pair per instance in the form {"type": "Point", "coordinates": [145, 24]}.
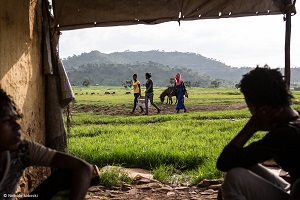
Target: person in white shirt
{"type": "Point", "coordinates": [16, 154]}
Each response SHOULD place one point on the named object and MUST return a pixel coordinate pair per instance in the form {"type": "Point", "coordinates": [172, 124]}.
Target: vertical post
{"type": "Point", "coordinates": [287, 69]}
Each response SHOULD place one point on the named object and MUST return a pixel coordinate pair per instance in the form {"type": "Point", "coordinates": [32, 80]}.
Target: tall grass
{"type": "Point", "coordinates": [189, 143]}
{"type": "Point", "coordinates": [176, 148]}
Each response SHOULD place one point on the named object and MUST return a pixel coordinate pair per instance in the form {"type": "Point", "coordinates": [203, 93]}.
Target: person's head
{"type": "Point", "coordinates": [148, 75]}
{"type": "Point", "coordinates": [134, 76]}
{"type": "Point", "coordinates": [178, 76]}
{"type": "Point", "coordinates": [264, 86]}
{"type": "Point", "coordinates": [9, 127]}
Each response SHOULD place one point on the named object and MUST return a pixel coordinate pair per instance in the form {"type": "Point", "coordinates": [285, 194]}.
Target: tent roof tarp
{"type": "Point", "coordinates": [76, 14]}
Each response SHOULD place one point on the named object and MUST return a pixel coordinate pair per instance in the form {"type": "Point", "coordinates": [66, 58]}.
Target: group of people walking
{"type": "Point", "coordinates": [179, 88]}
{"type": "Point", "coordinates": [269, 101]}
{"type": "Point", "coordinates": [136, 84]}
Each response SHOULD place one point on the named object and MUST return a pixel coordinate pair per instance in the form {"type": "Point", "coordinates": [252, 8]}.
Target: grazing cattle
{"type": "Point", "coordinates": [106, 92]}
{"type": "Point", "coordinates": [113, 92]}
{"type": "Point", "coordinates": [86, 93]}
{"type": "Point", "coordinates": [92, 93]}
{"type": "Point", "coordinates": [76, 94]}
{"type": "Point", "coordinates": [128, 93]}
{"type": "Point", "coordinates": [169, 92]}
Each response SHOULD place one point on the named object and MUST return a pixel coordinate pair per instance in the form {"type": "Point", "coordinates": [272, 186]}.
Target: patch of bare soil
{"type": "Point", "coordinates": [153, 191]}
{"type": "Point", "coordinates": [165, 109]}
{"type": "Point", "coordinates": [146, 188]}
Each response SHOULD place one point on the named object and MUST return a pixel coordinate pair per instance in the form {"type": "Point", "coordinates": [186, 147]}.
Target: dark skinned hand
{"type": "Point", "coordinates": [264, 119]}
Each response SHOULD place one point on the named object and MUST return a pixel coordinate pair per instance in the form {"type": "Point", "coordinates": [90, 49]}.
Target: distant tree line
{"type": "Point", "coordinates": [199, 70]}
{"type": "Point", "coordinates": [121, 74]}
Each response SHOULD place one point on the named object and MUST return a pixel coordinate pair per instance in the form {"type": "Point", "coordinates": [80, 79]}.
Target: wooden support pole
{"type": "Point", "coordinates": [287, 69]}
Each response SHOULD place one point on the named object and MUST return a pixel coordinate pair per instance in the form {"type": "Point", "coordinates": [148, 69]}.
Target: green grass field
{"type": "Point", "coordinates": [177, 148]}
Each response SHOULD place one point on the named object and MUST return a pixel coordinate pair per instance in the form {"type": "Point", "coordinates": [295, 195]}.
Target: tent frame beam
{"type": "Point", "coordinates": [287, 69]}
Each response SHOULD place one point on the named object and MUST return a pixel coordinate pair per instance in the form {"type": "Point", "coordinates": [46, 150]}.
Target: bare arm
{"type": "Point", "coordinates": [244, 135]}
{"type": "Point", "coordinates": [139, 85]}
{"type": "Point", "coordinates": [262, 120]}
{"type": "Point", "coordinates": [81, 173]}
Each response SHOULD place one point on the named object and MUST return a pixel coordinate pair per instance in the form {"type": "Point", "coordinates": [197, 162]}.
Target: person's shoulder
{"type": "Point", "coordinates": [33, 146]}
{"type": "Point", "coordinates": [28, 142]}
{"type": "Point", "coordinates": [23, 144]}
{"type": "Point", "coordinates": [27, 145]}
{"type": "Point", "coordinates": [286, 130]}
{"type": "Point", "coordinates": [22, 152]}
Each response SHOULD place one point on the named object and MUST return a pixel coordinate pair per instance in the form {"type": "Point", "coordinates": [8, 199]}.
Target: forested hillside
{"type": "Point", "coordinates": [163, 65]}
{"type": "Point", "coordinates": [118, 74]}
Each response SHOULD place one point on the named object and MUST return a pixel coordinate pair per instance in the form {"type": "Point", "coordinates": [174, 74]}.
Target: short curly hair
{"type": "Point", "coordinates": [265, 86]}
{"type": "Point", "coordinates": [148, 75]}
{"type": "Point", "coordinates": [5, 98]}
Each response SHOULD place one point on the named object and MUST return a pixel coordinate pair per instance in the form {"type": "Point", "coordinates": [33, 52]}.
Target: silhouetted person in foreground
{"type": "Point", "coordinates": [16, 154]}
{"type": "Point", "coordinates": [268, 100]}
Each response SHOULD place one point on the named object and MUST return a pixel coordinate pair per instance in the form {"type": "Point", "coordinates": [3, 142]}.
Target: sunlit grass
{"type": "Point", "coordinates": [176, 148]}
{"type": "Point", "coordinates": [191, 145]}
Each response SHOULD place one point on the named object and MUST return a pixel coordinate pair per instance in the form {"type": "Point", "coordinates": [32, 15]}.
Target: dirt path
{"type": "Point", "coordinates": [153, 191]}
{"type": "Point", "coordinates": [145, 187]}
{"type": "Point", "coordinates": [165, 109]}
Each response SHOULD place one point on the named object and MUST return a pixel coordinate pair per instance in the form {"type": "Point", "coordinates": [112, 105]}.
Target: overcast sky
{"type": "Point", "coordinates": [237, 42]}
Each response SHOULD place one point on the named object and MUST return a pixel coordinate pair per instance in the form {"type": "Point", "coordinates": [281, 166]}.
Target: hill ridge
{"type": "Point", "coordinates": [188, 61]}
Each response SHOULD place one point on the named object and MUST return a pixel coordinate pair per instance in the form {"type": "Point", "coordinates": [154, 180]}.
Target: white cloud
{"type": "Point", "coordinates": [245, 41]}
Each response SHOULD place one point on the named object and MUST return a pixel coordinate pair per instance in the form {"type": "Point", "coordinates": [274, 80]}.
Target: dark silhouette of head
{"type": "Point", "coordinates": [4, 101]}
{"type": "Point", "coordinates": [148, 75]}
{"type": "Point", "coordinates": [134, 76]}
{"type": "Point", "coordinates": [265, 86]}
